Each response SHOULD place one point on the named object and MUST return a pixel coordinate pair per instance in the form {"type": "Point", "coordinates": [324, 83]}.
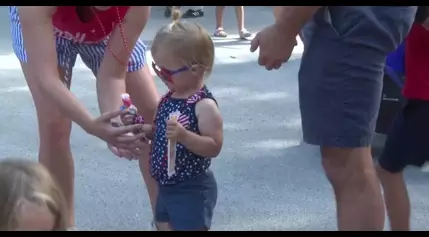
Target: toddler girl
{"type": "Point", "coordinates": [183, 146]}
{"type": "Point", "coordinates": [30, 200]}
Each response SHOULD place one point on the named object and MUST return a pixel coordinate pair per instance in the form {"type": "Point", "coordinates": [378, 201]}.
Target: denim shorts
{"type": "Point", "coordinates": [188, 205]}
{"type": "Point", "coordinates": [67, 50]}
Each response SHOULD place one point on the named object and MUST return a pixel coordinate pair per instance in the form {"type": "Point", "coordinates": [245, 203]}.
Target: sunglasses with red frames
{"type": "Point", "coordinates": [166, 74]}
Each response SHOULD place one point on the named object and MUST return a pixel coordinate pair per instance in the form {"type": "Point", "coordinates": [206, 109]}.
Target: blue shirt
{"type": "Point", "coordinates": [396, 59]}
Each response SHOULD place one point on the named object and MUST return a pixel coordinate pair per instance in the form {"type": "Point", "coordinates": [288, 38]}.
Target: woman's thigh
{"type": "Point", "coordinates": [49, 116]}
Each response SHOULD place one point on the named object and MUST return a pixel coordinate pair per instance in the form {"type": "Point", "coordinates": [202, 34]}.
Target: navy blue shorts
{"type": "Point", "coordinates": [188, 205]}
{"type": "Point", "coordinates": [408, 140]}
{"type": "Point", "coordinates": [341, 74]}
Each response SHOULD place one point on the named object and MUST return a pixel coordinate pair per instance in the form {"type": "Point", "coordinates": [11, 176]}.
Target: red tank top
{"type": "Point", "coordinates": [417, 63]}
{"type": "Point", "coordinates": [68, 25]}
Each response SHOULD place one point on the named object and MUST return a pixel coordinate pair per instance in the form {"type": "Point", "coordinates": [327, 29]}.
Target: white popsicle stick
{"type": "Point", "coordinates": [171, 149]}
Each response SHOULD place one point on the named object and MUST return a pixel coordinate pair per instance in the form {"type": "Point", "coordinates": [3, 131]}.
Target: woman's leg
{"type": "Point", "coordinates": [54, 135]}
{"type": "Point", "coordinates": [142, 89]}
{"type": "Point", "coordinates": [219, 16]}
{"type": "Point", "coordinates": [140, 86]}
{"type": "Point", "coordinates": [239, 13]}
{"type": "Point", "coordinates": [54, 127]}
{"type": "Point", "coordinates": [220, 32]}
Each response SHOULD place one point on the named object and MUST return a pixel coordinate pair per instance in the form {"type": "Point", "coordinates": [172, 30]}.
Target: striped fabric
{"type": "Point", "coordinates": [91, 54]}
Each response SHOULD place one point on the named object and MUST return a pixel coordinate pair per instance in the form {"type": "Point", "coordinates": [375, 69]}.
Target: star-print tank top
{"type": "Point", "coordinates": [188, 165]}
{"type": "Point", "coordinates": [68, 23]}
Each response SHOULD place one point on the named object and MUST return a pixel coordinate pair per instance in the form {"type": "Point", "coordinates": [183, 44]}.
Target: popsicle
{"type": "Point", "coordinates": [171, 163]}
{"type": "Point", "coordinates": [128, 104]}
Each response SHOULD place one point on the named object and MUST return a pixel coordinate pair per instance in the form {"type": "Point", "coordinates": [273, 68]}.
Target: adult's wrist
{"type": "Point", "coordinates": [291, 19]}
{"type": "Point", "coordinates": [87, 124]}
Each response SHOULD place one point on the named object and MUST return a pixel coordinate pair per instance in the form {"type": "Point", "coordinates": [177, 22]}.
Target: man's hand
{"type": "Point", "coordinates": [275, 46]}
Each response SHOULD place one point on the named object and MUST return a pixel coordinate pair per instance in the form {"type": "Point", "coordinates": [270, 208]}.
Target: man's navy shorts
{"type": "Point", "coordinates": [341, 73]}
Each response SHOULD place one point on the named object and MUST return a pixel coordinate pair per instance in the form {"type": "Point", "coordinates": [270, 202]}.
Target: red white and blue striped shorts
{"type": "Point", "coordinates": [67, 50]}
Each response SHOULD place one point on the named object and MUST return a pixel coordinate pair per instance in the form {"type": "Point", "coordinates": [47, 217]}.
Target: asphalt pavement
{"type": "Point", "coordinates": [268, 178]}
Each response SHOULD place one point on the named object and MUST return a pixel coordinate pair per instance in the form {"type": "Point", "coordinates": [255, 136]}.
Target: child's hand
{"type": "Point", "coordinates": [175, 130]}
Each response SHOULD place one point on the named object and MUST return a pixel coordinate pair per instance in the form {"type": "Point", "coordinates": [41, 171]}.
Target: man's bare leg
{"type": "Point", "coordinates": [396, 199]}
{"type": "Point", "coordinates": [356, 187]}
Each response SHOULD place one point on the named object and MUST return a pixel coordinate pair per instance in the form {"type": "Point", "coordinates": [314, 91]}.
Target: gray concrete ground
{"type": "Point", "coordinates": [268, 179]}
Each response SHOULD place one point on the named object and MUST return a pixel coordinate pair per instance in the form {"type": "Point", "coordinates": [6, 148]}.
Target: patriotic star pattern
{"type": "Point", "coordinates": [188, 164]}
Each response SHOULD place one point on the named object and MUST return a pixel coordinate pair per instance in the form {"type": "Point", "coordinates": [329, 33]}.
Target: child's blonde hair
{"type": "Point", "coordinates": [187, 40]}
{"type": "Point", "coordinates": [28, 181]}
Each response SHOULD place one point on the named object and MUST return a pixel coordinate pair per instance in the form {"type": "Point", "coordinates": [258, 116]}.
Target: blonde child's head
{"type": "Point", "coordinates": [183, 53]}
{"type": "Point", "coordinates": [29, 198]}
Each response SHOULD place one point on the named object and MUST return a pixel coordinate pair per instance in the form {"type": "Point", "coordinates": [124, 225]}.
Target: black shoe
{"type": "Point", "coordinates": [193, 13]}
{"type": "Point", "coordinates": [167, 12]}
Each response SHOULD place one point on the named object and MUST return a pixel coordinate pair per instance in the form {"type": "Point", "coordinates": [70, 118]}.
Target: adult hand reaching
{"type": "Point", "coordinates": [133, 154]}
{"type": "Point", "coordinates": [129, 118]}
{"type": "Point", "coordinates": [121, 137]}
{"type": "Point", "coordinates": [275, 46]}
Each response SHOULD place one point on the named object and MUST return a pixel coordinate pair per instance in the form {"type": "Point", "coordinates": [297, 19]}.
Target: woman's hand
{"type": "Point", "coordinates": [119, 136]}
{"type": "Point", "coordinates": [128, 118]}
{"type": "Point", "coordinates": [133, 154]}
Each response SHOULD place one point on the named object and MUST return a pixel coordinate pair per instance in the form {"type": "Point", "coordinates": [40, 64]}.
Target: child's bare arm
{"type": "Point", "coordinates": [148, 130]}
{"type": "Point", "coordinates": [210, 124]}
